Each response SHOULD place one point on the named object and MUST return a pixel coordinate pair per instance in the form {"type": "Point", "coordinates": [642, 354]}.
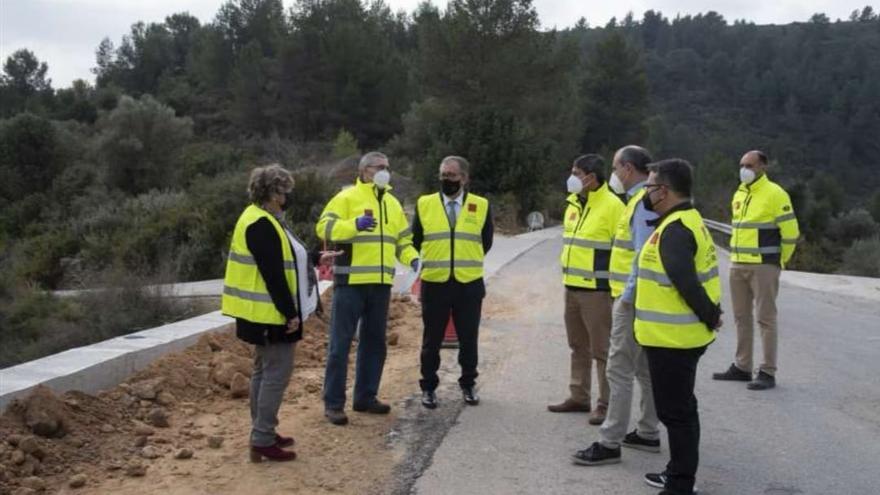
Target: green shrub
{"type": "Point", "coordinates": [205, 159]}
{"type": "Point", "coordinates": [38, 258]}
{"type": "Point", "coordinates": [220, 200]}
{"type": "Point", "coordinates": [816, 255]}
{"type": "Point", "coordinates": [139, 142]}
{"type": "Point", "coordinates": [345, 145]}
{"type": "Point", "coordinates": [141, 234]}
{"type": "Point", "coordinates": [310, 195]}
{"type": "Point", "coordinates": [852, 225]}
{"type": "Point", "coordinates": [862, 258]}
{"type": "Point", "coordinates": [34, 324]}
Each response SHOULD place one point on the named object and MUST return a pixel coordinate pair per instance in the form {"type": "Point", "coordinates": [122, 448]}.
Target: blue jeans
{"type": "Point", "coordinates": [368, 303]}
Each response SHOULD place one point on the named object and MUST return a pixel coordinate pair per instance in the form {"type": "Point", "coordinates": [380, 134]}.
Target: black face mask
{"type": "Point", "coordinates": [450, 187]}
{"type": "Point", "coordinates": [288, 201]}
{"type": "Point", "coordinates": [646, 202]}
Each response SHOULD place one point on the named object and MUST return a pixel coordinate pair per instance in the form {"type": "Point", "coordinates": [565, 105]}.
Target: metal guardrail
{"type": "Point", "coordinates": [720, 227]}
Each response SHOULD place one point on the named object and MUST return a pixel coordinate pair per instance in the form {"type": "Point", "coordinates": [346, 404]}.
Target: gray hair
{"type": "Point", "coordinates": [370, 159]}
{"type": "Point", "coordinates": [463, 164]}
{"type": "Point", "coordinates": [267, 180]}
{"type": "Point", "coordinates": [636, 155]}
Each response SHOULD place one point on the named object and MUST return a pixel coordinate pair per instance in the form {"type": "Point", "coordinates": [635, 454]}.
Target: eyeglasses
{"type": "Point", "coordinates": [654, 186]}
{"type": "Point", "coordinates": [379, 167]}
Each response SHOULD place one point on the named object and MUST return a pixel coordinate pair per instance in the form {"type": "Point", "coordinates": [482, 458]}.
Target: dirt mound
{"type": "Point", "coordinates": [168, 408]}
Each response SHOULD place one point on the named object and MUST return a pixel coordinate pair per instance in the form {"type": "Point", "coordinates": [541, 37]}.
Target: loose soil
{"type": "Point", "coordinates": [176, 428]}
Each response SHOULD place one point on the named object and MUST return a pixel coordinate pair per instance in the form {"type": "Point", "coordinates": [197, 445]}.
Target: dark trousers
{"type": "Point", "coordinates": [673, 372]}
{"type": "Point", "coordinates": [368, 303]}
{"type": "Point", "coordinates": [465, 302]}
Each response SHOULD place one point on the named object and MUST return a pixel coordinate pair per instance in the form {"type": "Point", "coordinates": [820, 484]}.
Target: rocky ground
{"type": "Point", "coordinates": [182, 425]}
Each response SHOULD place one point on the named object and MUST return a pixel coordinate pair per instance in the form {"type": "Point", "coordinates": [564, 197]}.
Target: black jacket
{"type": "Point", "coordinates": [263, 243]}
{"type": "Point", "coordinates": [677, 250]}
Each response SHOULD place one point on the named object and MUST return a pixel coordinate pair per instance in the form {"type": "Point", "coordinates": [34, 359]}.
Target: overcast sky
{"type": "Point", "coordinates": [65, 33]}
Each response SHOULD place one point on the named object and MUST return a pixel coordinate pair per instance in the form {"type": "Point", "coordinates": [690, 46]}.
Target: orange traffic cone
{"type": "Point", "coordinates": [325, 272]}
{"type": "Point", "coordinates": [450, 339]}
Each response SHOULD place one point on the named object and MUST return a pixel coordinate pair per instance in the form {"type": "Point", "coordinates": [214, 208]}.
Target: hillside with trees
{"type": "Point", "coordinates": [142, 173]}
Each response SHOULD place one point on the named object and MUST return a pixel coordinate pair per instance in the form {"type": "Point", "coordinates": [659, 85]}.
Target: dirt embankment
{"type": "Point", "coordinates": [182, 425]}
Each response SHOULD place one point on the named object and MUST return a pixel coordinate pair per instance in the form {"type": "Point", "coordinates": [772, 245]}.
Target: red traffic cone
{"type": "Point", "coordinates": [450, 338]}
{"type": "Point", "coordinates": [325, 272]}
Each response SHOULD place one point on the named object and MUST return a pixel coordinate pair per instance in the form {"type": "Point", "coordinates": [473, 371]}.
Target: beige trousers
{"type": "Point", "coordinates": [753, 290]}
{"type": "Point", "coordinates": [588, 325]}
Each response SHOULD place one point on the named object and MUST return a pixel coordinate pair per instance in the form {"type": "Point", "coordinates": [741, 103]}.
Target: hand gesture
{"type": "Point", "coordinates": [292, 325]}
{"type": "Point", "coordinates": [327, 257]}
{"type": "Point", "coordinates": [365, 222]}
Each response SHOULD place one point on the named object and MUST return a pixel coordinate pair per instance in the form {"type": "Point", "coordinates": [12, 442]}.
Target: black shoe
{"type": "Point", "coordinates": [374, 407]}
{"type": "Point", "coordinates": [658, 480]}
{"type": "Point", "coordinates": [733, 374]}
{"type": "Point", "coordinates": [762, 381]}
{"type": "Point", "coordinates": [470, 397]}
{"type": "Point", "coordinates": [336, 416]}
{"type": "Point", "coordinates": [596, 455]}
{"type": "Point", "coordinates": [634, 441]}
{"type": "Point", "coordinates": [429, 399]}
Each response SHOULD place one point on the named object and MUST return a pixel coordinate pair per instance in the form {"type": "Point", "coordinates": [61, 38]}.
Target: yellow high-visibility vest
{"type": "Point", "coordinates": [244, 291]}
{"type": "Point", "coordinates": [623, 251]}
{"type": "Point", "coordinates": [456, 251]}
{"type": "Point", "coordinates": [663, 318]}
{"type": "Point", "coordinates": [370, 256]}
{"type": "Point", "coordinates": [765, 229]}
{"type": "Point", "coordinates": [586, 239]}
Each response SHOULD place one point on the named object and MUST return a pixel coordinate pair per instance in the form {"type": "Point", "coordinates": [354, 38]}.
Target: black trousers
{"type": "Point", "coordinates": [673, 372]}
{"type": "Point", "coordinates": [465, 303]}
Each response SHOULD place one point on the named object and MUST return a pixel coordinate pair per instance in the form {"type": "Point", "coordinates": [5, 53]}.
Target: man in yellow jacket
{"type": "Point", "coordinates": [677, 310]}
{"type": "Point", "coordinates": [367, 223]}
{"type": "Point", "coordinates": [589, 225]}
{"type": "Point", "coordinates": [765, 232]}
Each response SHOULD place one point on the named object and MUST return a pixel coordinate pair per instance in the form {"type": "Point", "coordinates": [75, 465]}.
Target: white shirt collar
{"type": "Point", "coordinates": [459, 199]}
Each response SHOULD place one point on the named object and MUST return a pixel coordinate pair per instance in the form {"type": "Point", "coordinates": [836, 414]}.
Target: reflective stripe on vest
{"type": "Point", "coordinates": [663, 318]}
{"type": "Point", "coordinates": [443, 247]}
{"type": "Point", "coordinates": [756, 215]}
{"type": "Point", "coordinates": [370, 255]}
{"type": "Point", "coordinates": [586, 239]}
{"type": "Point", "coordinates": [623, 250]}
{"type": "Point", "coordinates": [244, 291]}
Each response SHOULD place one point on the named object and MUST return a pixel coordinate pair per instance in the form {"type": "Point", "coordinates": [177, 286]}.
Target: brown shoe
{"type": "Point", "coordinates": [568, 406]}
{"type": "Point", "coordinates": [598, 416]}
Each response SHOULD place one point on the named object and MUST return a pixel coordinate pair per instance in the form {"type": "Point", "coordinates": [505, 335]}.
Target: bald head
{"type": "Point", "coordinates": [756, 161]}
{"type": "Point", "coordinates": [630, 165]}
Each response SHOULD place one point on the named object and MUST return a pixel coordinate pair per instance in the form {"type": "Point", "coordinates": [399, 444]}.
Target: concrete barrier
{"type": "Point", "coordinates": [105, 364]}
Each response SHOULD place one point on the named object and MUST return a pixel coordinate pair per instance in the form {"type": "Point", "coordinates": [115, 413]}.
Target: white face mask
{"type": "Point", "coordinates": [382, 178]}
{"type": "Point", "coordinates": [574, 185]}
{"type": "Point", "coordinates": [615, 184]}
{"type": "Point", "coordinates": [747, 175]}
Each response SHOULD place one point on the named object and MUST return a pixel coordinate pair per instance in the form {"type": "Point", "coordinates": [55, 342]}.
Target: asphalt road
{"type": "Point", "coordinates": [817, 433]}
